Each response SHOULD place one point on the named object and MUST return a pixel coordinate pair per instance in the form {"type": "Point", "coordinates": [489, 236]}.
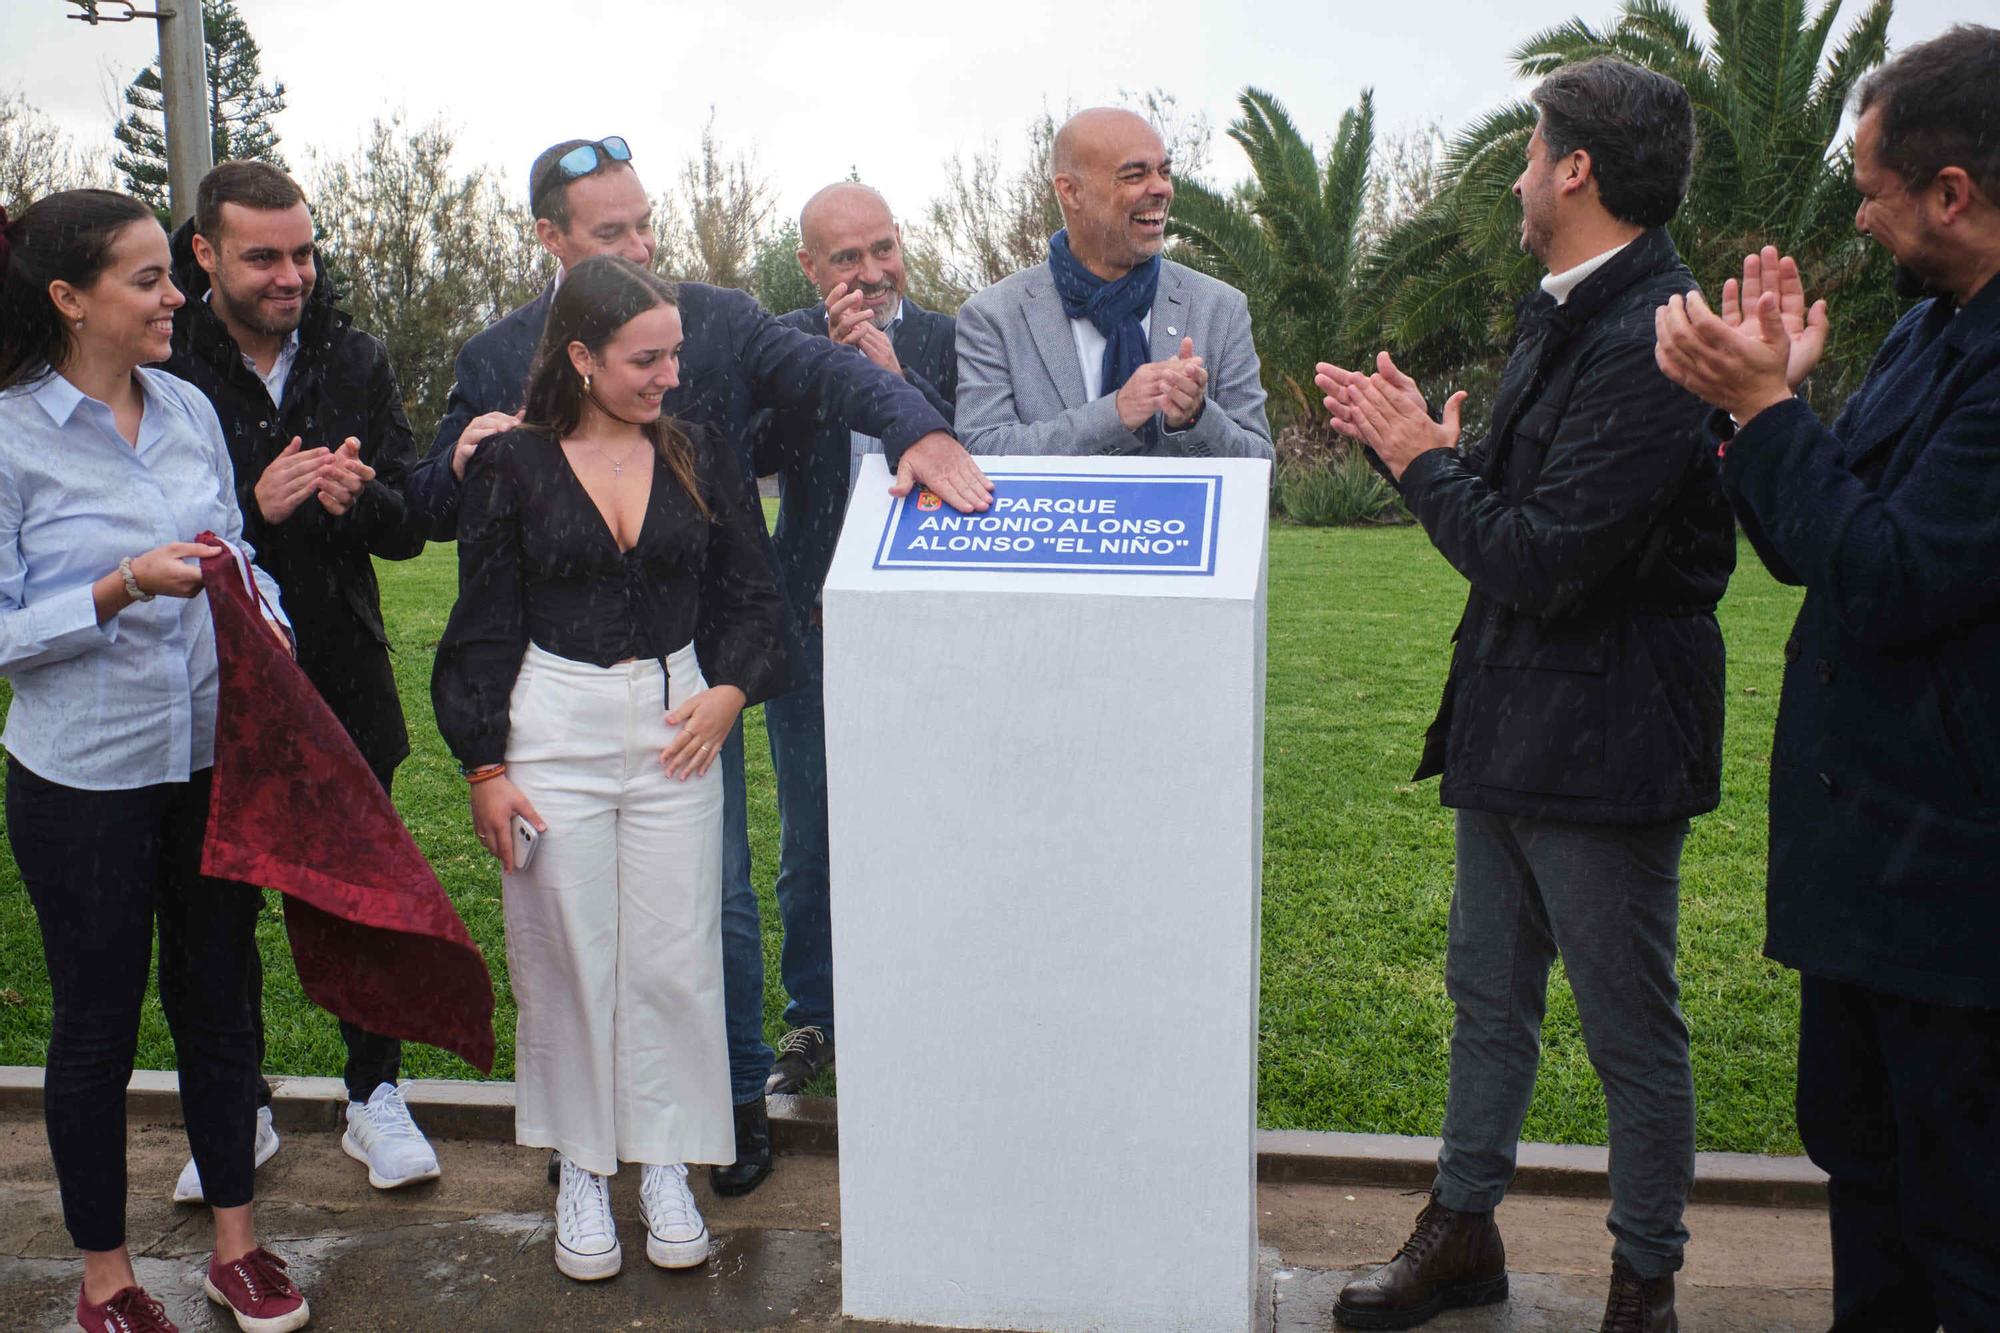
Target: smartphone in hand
{"type": "Point", "coordinates": [525, 842]}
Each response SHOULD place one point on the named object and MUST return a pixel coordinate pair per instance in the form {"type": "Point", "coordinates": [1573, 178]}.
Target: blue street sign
{"type": "Point", "coordinates": [1064, 523]}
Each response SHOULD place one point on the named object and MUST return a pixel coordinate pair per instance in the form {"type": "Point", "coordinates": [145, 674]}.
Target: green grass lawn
{"type": "Point", "coordinates": [1357, 867]}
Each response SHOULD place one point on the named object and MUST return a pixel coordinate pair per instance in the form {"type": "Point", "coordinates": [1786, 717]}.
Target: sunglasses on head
{"type": "Point", "coordinates": [583, 159]}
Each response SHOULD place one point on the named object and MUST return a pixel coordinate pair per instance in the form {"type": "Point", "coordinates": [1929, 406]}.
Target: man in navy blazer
{"type": "Point", "coordinates": [736, 358]}
{"type": "Point", "coordinates": [852, 252]}
{"type": "Point", "coordinates": [735, 361]}
{"type": "Point", "coordinates": [1885, 773]}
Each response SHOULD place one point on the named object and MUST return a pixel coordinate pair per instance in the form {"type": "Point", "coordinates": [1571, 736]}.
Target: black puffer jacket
{"type": "Point", "coordinates": [1587, 679]}
{"type": "Point", "coordinates": [341, 384]}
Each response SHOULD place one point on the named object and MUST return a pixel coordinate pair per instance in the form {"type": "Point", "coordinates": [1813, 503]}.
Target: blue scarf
{"type": "Point", "coordinates": [1114, 308]}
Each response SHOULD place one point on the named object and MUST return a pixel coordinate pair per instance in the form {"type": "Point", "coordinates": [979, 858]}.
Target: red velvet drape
{"type": "Point", "coordinates": [295, 808]}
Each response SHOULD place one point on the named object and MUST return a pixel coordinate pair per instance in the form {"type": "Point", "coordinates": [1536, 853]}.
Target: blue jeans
{"type": "Point", "coordinates": [742, 940]}
{"type": "Point", "coordinates": [797, 726]}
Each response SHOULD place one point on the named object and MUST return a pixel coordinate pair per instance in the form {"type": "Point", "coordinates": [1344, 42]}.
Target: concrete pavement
{"type": "Point", "coordinates": [472, 1250]}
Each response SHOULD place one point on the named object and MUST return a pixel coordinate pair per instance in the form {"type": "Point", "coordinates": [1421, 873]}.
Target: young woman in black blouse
{"type": "Point", "coordinates": [615, 613]}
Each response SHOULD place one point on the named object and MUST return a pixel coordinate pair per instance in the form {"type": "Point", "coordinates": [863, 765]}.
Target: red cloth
{"type": "Point", "coordinates": [295, 808]}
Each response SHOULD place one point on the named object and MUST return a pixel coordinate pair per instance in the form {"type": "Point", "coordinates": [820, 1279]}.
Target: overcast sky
{"type": "Point", "coordinates": [889, 89]}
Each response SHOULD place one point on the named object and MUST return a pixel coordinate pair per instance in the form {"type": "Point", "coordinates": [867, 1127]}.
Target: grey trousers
{"type": "Point", "coordinates": [1608, 898]}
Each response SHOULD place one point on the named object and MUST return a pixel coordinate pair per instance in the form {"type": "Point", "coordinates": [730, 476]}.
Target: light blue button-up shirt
{"type": "Point", "coordinates": [131, 702]}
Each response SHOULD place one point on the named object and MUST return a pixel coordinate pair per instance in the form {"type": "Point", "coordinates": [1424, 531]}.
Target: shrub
{"type": "Point", "coordinates": [1327, 482]}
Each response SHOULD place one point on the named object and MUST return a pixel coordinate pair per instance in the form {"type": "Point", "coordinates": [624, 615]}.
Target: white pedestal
{"type": "Point", "coordinates": [1046, 795]}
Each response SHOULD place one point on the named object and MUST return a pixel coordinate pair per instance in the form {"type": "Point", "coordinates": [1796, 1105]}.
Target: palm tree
{"type": "Point", "coordinates": [1287, 240]}
{"type": "Point", "coordinates": [1768, 102]}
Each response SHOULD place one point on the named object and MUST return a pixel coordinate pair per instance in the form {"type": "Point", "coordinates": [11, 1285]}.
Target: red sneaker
{"type": "Point", "coordinates": [258, 1293]}
{"type": "Point", "coordinates": [130, 1311]}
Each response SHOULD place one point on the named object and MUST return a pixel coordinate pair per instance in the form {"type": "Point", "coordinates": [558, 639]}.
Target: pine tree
{"type": "Point", "coordinates": [240, 107]}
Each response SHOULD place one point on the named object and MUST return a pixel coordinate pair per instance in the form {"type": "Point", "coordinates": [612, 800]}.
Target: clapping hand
{"type": "Point", "coordinates": [849, 321]}
{"type": "Point", "coordinates": [1739, 367]}
{"type": "Point", "coordinates": [1387, 412]}
{"type": "Point", "coordinates": [342, 477]}
{"type": "Point", "coordinates": [1173, 388]}
{"type": "Point", "coordinates": [288, 482]}
{"type": "Point", "coordinates": [1766, 270]}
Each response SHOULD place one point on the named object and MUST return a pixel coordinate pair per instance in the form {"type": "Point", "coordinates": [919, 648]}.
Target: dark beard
{"type": "Point", "coordinates": [1913, 285]}
{"type": "Point", "coordinates": [249, 320]}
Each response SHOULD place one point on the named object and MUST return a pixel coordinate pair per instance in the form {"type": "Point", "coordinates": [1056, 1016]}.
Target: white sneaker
{"type": "Point", "coordinates": [382, 1134]}
{"type": "Point", "coordinates": [586, 1240]}
{"type": "Point", "coordinates": [676, 1237]}
{"type": "Point", "coordinates": [187, 1189]}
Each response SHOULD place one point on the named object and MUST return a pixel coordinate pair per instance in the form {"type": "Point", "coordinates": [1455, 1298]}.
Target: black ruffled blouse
{"type": "Point", "coordinates": [537, 563]}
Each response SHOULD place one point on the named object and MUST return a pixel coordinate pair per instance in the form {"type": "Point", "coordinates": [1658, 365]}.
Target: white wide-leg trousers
{"type": "Point", "coordinates": [614, 932]}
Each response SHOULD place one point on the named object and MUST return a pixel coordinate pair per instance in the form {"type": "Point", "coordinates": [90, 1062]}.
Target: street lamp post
{"type": "Point", "coordinates": [183, 89]}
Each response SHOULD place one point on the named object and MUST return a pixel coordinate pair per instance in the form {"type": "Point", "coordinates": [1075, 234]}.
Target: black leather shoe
{"type": "Point", "coordinates": [802, 1053]}
{"type": "Point", "coordinates": [753, 1153]}
{"type": "Point", "coordinates": [1452, 1259]}
{"type": "Point", "coordinates": [1639, 1304]}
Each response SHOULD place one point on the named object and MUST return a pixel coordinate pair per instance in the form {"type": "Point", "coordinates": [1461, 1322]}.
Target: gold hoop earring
{"type": "Point", "coordinates": [586, 378]}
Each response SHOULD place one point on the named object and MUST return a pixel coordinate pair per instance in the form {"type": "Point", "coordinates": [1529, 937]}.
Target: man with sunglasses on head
{"type": "Point", "coordinates": [736, 361]}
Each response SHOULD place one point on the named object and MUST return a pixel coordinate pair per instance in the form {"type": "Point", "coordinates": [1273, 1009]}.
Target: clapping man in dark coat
{"type": "Point", "coordinates": [1582, 720]}
{"type": "Point", "coordinates": [1885, 773]}
{"type": "Point", "coordinates": [852, 251]}
{"type": "Point", "coordinates": [321, 447]}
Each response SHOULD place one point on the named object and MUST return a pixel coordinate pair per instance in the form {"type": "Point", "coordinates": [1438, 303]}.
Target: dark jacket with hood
{"type": "Point", "coordinates": [341, 384]}
{"type": "Point", "coordinates": [1587, 678]}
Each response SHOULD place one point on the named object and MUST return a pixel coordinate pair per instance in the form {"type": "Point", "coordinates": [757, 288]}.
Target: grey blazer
{"type": "Point", "coordinates": [1020, 385]}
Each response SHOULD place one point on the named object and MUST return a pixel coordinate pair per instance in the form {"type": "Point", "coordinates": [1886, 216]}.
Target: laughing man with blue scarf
{"type": "Point", "coordinates": [1108, 348]}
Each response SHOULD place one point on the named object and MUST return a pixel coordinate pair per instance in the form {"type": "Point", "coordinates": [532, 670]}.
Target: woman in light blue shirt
{"type": "Point", "coordinates": [108, 471]}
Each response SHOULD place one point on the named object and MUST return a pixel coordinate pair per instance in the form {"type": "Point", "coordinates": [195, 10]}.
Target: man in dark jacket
{"type": "Point", "coordinates": [736, 361]}
{"type": "Point", "coordinates": [1582, 720]}
{"type": "Point", "coordinates": [1885, 773]}
{"type": "Point", "coordinates": [850, 244]}
{"type": "Point", "coordinates": [316, 432]}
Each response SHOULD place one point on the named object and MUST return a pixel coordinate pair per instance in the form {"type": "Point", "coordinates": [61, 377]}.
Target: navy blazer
{"type": "Point", "coordinates": [735, 360]}
{"type": "Point", "coordinates": [809, 447]}
{"type": "Point", "coordinates": [1885, 773]}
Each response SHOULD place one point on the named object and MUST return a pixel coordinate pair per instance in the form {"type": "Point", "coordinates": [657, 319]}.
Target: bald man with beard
{"type": "Point", "coordinates": [1109, 348]}
{"type": "Point", "coordinates": [852, 252]}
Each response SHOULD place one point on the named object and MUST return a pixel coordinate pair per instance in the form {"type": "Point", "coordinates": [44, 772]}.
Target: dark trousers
{"type": "Point", "coordinates": [796, 723]}
{"type": "Point", "coordinates": [1899, 1103]}
{"type": "Point", "coordinates": [100, 868]}
{"type": "Point", "coordinates": [1607, 897]}
{"type": "Point", "coordinates": [372, 1059]}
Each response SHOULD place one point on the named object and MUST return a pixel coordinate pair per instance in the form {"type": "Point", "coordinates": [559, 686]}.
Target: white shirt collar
{"type": "Point", "coordinates": [1560, 285]}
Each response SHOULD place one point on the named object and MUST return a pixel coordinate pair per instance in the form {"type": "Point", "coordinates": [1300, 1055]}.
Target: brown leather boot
{"type": "Point", "coordinates": [1451, 1259]}
{"type": "Point", "coordinates": [1639, 1304]}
